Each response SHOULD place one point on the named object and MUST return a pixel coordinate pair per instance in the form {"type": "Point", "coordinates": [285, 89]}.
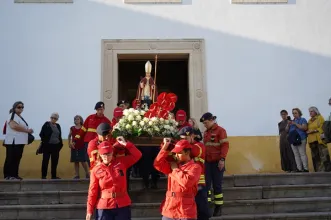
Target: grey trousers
{"type": "Point", "coordinates": [300, 155]}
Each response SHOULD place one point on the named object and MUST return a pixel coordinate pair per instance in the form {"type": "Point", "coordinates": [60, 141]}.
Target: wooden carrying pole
{"type": "Point", "coordinates": [155, 79]}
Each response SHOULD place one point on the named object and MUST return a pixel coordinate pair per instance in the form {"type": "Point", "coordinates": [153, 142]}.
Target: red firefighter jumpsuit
{"type": "Point", "coordinates": [182, 187]}
{"type": "Point", "coordinates": [217, 146]}
{"type": "Point", "coordinates": [107, 192]}
{"type": "Point", "coordinates": [198, 155]}
{"type": "Point", "coordinates": [88, 130]}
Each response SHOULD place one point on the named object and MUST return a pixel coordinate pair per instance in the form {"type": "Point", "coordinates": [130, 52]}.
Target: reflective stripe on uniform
{"type": "Point", "coordinates": [92, 154]}
{"type": "Point", "coordinates": [224, 141]}
{"type": "Point", "coordinates": [83, 128]}
{"type": "Point", "coordinates": [202, 179]}
{"type": "Point", "coordinates": [218, 202]}
{"type": "Point", "coordinates": [196, 159]}
{"type": "Point", "coordinates": [91, 130]}
{"type": "Point", "coordinates": [200, 150]}
{"type": "Point", "coordinates": [218, 199]}
{"type": "Point", "coordinates": [212, 144]}
{"type": "Point", "coordinates": [218, 196]}
{"type": "Point", "coordinates": [209, 196]}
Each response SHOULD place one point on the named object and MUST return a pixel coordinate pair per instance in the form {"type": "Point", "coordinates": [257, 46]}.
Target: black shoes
{"type": "Point", "coordinates": [217, 210]}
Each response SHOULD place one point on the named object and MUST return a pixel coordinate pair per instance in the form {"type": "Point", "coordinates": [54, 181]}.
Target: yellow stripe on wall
{"type": "Point", "coordinates": [258, 154]}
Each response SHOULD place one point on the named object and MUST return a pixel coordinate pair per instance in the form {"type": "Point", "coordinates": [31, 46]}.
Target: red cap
{"type": "Point", "coordinates": [181, 145]}
{"type": "Point", "coordinates": [180, 115]}
{"type": "Point", "coordinates": [118, 112]}
{"type": "Point", "coordinates": [105, 148]}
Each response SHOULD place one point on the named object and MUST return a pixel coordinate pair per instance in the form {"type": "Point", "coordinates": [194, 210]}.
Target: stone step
{"type": "Point", "coordinates": [61, 185]}
{"type": "Point", "coordinates": [67, 211]}
{"type": "Point", "coordinates": [151, 196]}
{"type": "Point", "coordinates": [136, 183]}
{"type": "Point", "coordinates": [280, 179]}
{"type": "Point", "coordinates": [240, 207]}
{"type": "Point", "coordinates": [275, 216]}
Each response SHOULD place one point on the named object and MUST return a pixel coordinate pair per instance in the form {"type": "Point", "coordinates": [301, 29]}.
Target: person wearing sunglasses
{"type": "Point", "coordinates": [16, 138]}
{"type": "Point", "coordinates": [51, 138]}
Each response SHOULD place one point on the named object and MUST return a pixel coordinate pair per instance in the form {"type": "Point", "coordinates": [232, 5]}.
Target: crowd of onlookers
{"type": "Point", "coordinates": [296, 132]}
{"type": "Point", "coordinates": [17, 135]}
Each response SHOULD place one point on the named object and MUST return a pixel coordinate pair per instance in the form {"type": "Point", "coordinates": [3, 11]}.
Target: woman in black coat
{"type": "Point", "coordinates": [52, 143]}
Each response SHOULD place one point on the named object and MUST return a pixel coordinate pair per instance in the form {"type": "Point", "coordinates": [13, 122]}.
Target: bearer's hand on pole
{"type": "Point", "coordinates": [121, 140]}
{"type": "Point", "coordinates": [166, 142]}
{"type": "Point", "coordinates": [221, 165]}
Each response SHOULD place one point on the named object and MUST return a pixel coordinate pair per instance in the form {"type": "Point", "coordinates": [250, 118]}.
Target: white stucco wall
{"type": "Point", "coordinates": [259, 58]}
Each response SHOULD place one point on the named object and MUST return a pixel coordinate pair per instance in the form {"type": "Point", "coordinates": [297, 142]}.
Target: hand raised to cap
{"type": "Point", "coordinates": [166, 143]}
{"type": "Point", "coordinates": [121, 140]}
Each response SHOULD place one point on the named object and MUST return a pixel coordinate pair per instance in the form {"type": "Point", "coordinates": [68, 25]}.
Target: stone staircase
{"type": "Point", "coordinates": [263, 196]}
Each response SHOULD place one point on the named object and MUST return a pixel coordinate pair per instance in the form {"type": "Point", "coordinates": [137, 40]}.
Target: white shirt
{"type": "Point", "coordinates": [17, 136]}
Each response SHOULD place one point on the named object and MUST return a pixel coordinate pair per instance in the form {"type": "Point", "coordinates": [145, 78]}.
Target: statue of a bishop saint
{"type": "Point", "coordinates": [147, 90]}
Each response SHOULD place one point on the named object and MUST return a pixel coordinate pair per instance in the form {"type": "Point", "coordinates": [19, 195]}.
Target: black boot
{"type": "Point", "coordinates": [154, 185]}
{"type": "Point", "coordinates": [217, 210]}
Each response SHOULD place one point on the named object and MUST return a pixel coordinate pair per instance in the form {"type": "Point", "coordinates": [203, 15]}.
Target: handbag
{"type": "Point", "coordinates": [40, 149]}
{"type": "Point", "coordinates": [30, 136]}
{"type": "Point", "coordinates": [294, 138]}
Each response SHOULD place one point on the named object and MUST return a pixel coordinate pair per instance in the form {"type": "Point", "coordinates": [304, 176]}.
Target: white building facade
{"type": "Point", "coordinates": [258, 58]}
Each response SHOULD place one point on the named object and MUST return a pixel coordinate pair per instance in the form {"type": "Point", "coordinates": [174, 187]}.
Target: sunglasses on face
{"type": "Point", "coordinates": [20, 107]}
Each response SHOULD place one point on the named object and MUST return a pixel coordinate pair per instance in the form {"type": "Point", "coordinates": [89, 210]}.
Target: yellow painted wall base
{"type": "Point", "coordinates": [247, 155]}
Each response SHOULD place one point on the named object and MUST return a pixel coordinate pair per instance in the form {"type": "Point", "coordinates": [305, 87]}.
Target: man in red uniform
{"type": "Point", "coordinates": [183, 178]}
{"type": "Point", "coordinates": [103, 132]}
{"type": "Point", "coordinates": [107, 191]}
{"type": "Point", "coordinates": [181, 118]}
{"type": "Point", "coordinates": [88, 130]}
{"type": "Point", "coordinates": [198, 154]}
{"type": "Point", "coordinates": [217, 146]}
{"type": "Point", "coordinates": [117, 115]}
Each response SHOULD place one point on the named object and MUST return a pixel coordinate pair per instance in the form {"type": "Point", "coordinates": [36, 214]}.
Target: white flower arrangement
{"type": "Point", "coordinates": [134, 124]}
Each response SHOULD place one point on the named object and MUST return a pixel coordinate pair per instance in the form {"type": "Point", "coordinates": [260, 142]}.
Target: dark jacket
{"type": "Point", "coordinates": [46, 133]}
{"type": "Point", "coordinates": [198, 135]}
